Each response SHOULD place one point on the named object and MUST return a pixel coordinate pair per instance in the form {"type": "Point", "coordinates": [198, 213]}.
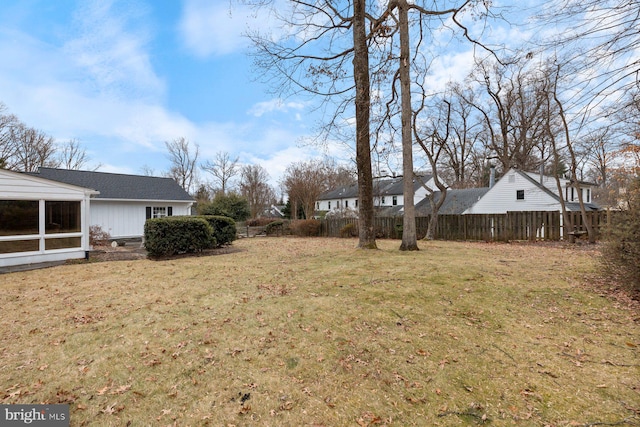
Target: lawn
{"type": "Point", "coordinates": [294, 332]}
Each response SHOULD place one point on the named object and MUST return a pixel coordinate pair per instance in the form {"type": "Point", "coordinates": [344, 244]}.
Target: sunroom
{"type": "Point", "coordinates": [42, 221]}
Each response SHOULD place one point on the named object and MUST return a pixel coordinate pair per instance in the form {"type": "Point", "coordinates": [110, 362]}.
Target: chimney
{"type": "Point", "coordinates": [542, 173]}
{"type": "Point", "coordinates": [492, 176]}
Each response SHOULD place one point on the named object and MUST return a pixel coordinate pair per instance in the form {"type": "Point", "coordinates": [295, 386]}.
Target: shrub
{"type": "Point", "coordinates": [261, 222]}
{"type": "Point", "coordinates": [306, 227]}
{"type": "Point", "coordinates": [274, 227]}
{"type": "Point", "coordinates": [177, 235]}
{"type": "Point", "coordinates": [224, 229]}
{"type": "Point", "coordinates": [398, 228]}
{"type": "Point", "coordinates": [97, 236]}
{"type": "Point", "coordinates": [621, 252]}
{"type": "Point", "coordinates": [349, 230]}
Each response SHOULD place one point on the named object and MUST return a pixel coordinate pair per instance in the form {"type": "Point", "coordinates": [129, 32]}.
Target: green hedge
{"type": "Point", "coordinates": [274, 227]}
{"type": "Point", "coordinates": [224, 228]}
{"type": "Point", "coordinates": [177, 235]}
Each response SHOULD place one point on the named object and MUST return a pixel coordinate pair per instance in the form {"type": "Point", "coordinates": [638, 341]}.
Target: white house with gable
{"type": "Point", "coordinates": [527, 191]}
{"type": "Point", "coordinates": [387, 192]}
{"type": "Point", "coordinates": [125, 202]}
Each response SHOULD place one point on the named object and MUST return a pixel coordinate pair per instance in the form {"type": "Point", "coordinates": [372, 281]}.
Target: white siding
{"type": "Point", "coordinates": [329, 205]}
{"type": "Point", "coordinates": [502, 197]}
{"type": "Point", "coordinates": [16, 186]}
{"type": "Point", "coordinates": [123, 219]}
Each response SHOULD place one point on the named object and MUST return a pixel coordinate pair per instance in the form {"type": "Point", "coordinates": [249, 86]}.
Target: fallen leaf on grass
{"type": "Point", "coordinates": [152, 362]}
{"type": "Point", "coordinates": [112, 409]}
{"type": "Point", "coordinates": [329, 402]}
{"type": "Point", "coordinates": [286, 406]}
{"type": "Point", "coordinates": [121, 389]}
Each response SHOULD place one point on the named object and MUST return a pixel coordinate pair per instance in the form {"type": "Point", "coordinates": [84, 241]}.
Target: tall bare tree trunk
{"type": "Point", "coordinates": [566, 220]}
{"type": "Point", "coordinates": [367, 235]}
{"type": "Point", "coordinates": [409, 238]}
{"type": "Point", "coordinates": [574, 166]}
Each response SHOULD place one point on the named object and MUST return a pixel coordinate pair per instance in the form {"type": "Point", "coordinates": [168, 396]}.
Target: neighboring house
{"type": "Point", "coordinates": [387, 192]}
{"type": "Point", "coordinates": [42, 220]}
{"type": "Point", "coordinates": [515, 191]}
{"type": "Point", "coordinates": [273, 211]}
{"type": "Point", "coordinates": [526, 191]}
{"type": "Point", "coordinates": [125, 202]}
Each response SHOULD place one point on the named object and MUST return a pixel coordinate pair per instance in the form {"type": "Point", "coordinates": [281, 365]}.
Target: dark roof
{"type": "Point", "coordinates": [394, 186]}
{"type": "Point", "coordinates": [340, 193]}
{"type": "Point", "coordinates": [119, 186]}
{"type": "Point", "coordinates": [381, 187]}
{"type": "Point", "coordinates": [456, 202]}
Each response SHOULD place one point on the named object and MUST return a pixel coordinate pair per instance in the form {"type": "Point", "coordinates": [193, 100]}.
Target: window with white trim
{"type": "Point", "coordinates": [159, 212]}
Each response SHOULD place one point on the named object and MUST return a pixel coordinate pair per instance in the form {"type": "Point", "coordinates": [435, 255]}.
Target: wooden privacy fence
{"type": "Point", "coordinates": [537, 225]}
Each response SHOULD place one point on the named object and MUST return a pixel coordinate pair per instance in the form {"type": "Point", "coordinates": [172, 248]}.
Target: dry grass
{"type": "Point", "coordinates": [292, 332]}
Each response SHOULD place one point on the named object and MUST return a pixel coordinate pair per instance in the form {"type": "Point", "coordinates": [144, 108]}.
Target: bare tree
{"type": "Point", "coordinates": [552, 131]}
{"type": "Point", "coordinates": [184, 160]}
{"type": "Point", "coordinates": [33, 149]}
{"type": "Point", "coordinates": [147, 170]}
{"type": "Point", "coordinates": [73, 156]}
{"type": "Point", "coordinates": [395, 23]}
{"type": "Point", "coordinates": [326, 54]}
{"type": "Point", "coordinates": [304, 182]}
{"type": "Point", "coordinates": [254, 186]}
{"type": "Point", "coordinates": [464, 147]}
{"type": "Point", "coordinates": [599, 39]}
{"type": "Point", "coordinates": [514, 114]}
{"type": "Point", "coordinates": [223, 168]}
{"type": "Point", "coordinates": [433, 136]}
{"type": "Point", "coordinates": [8, 124]}
{"type": "Point", "coordinates": [363, 136]}
{"type": "Point", "coordinates": [600, 149]}
{"type": "Point", "coordinates": [570, 146]}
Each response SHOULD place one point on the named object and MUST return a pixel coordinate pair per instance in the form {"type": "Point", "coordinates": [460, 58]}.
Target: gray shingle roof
{"type": "Point", "coordinates": [456, 202]}
{"type": "Point", "coordinates": [119, 186]}
{"type": "Point", "coordinates": [381, 187]}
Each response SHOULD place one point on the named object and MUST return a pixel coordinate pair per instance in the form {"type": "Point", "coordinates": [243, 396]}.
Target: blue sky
{"type": "Point", "coordinates": [123, 76]}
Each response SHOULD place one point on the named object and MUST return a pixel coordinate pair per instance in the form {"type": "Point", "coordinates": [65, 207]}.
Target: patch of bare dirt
{"type": "Point", "coordinates": [136, 251]}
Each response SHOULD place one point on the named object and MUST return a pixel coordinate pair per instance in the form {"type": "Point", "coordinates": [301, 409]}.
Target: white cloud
{"type": "Point", "coordinates": [219, 27]}
{"type": "Point", "coordinates": [449, 68]}
{"type": "Point", "coordinates": [277, 162]}
{"type": "Point", "coordinates": [213, 27]}
{"type": "Point", "coordinates": [111, 47]}
{"type": "Point", "coordinates": [277, 105]}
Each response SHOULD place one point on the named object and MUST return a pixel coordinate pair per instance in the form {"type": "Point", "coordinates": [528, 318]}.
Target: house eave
{"type": "Point", "coordinates": [104, 199]}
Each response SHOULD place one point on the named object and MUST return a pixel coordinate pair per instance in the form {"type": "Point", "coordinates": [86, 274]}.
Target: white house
{"type": "Point", "coordinates": [125, 202]}
{"type": "Point", "coordinates": [527, 191]}
{"type": "Point", "coordinates": [42, 220]}
{"type": "Point", "coordinates": [387, 192]}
